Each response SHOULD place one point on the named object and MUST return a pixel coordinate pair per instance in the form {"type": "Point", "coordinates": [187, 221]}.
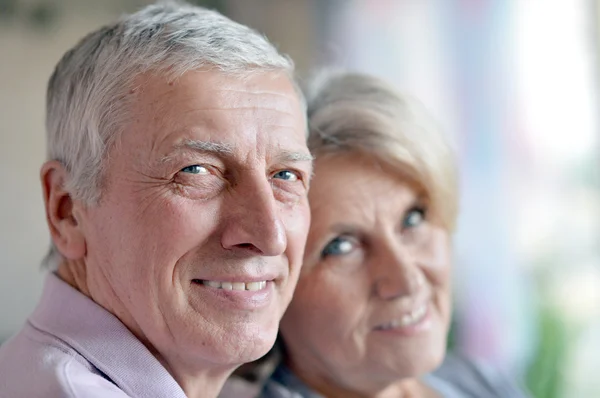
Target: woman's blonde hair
{"type": "Point", "coordinates": [358, 113]}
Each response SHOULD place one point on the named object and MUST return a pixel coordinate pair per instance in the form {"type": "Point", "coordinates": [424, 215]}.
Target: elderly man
{"type": "Point", "coordinates": [176, 198]}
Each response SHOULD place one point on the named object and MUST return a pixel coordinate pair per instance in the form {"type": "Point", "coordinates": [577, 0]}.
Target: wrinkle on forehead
{"type": "Point", "coordinates": [258, 92]}
{"type": "Point", "coordinates": [220, 109]}
{"type": "Point", "coordinates": [248, 101]}
{"type": "Point", "coordinates": [221, 91]}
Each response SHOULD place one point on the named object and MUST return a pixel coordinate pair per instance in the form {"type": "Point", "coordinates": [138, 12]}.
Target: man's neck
{"type": "Point", "coordinates": [202, 381]}
{"type": "Point", "coordinates": [74, 273]}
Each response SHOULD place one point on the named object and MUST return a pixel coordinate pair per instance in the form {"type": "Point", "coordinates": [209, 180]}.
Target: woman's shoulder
{"type": "Point", "coordinates": [459, 376]}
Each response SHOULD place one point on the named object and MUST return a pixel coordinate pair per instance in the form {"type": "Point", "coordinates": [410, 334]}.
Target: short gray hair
{"type": "Point", "coordinates": [358, 113]}
{"type": "Point", "coordinates": [86, 94]}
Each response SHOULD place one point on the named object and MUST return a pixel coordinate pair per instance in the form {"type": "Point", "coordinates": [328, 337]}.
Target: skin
{"type": "Point", "coordinates": [175, 209]}
{"type": "Point", "coordinates": [374, 253]}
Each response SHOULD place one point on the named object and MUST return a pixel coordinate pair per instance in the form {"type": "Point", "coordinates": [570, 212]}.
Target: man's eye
{"type": "Point", "coordinates": [286, 175]}
{"type": "Point", "coordinates": [413, 218]}
{"type": "Point", "coordinates": [337, 247]}
{"type": "Point", "coordinates": [195, 169]}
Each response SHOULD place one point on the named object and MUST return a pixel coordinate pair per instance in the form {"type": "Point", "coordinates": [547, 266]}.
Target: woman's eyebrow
{"type": "Point", "coordinates": [344, 228]}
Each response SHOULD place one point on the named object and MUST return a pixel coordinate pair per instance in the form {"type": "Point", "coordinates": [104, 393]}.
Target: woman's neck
{"type": "Point", "coordinates": [408, 388]}
{"type": "Point", "coordinates": [328, 387]}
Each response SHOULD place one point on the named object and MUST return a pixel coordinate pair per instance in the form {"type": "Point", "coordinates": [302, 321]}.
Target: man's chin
{"type": "Point", "coordinates": [246, 349]}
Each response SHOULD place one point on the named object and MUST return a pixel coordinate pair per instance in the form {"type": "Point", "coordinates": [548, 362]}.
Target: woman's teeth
{"type": "Point", "coordinates": [409, 319]}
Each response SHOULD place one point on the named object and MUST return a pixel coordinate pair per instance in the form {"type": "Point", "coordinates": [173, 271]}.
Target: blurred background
{"type": "Point", "coordinates": [514, 82]}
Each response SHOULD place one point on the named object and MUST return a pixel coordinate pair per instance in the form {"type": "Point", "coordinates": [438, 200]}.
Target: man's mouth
{"type": "Point", "coordinates": [225, 285]}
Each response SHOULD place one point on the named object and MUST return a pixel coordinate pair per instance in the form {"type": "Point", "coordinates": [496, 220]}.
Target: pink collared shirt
{"type": "Point", "coordinates": [71, 347]}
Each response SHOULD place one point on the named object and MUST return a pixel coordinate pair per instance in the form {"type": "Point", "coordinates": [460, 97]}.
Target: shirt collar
{"type": "Point", "coordinates": [103, 340]}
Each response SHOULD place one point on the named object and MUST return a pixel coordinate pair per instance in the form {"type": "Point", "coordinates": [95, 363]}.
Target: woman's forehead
{"type": "Point", "coordinates": [349, 178]}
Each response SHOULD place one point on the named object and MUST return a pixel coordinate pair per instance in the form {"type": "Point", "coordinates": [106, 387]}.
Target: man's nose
{"type": "Point", "coordinates": [253, 219]}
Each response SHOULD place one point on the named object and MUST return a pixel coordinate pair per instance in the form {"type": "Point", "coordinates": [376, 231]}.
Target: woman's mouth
{"type": "Point", "coordinates": [408, 321]}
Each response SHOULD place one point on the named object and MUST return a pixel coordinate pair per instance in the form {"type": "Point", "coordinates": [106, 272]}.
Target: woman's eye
{"type": "Point", "coordinates": [286, 175]}
{"type": "Point", "coordinates": [195, 169]}
{"type": "Point", "coordinates": [337, 247]}
{"type": "Point", "coordinates": [413, 218]}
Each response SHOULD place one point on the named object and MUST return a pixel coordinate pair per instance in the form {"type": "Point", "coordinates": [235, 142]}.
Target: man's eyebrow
{"type": "Point", "coordinates": [201, 146]}
{"type": "Point", "coordinates": [290, 156]}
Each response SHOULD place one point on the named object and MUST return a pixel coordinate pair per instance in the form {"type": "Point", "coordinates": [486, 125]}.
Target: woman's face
{"type": "Point", "coordinates": [372, 305]}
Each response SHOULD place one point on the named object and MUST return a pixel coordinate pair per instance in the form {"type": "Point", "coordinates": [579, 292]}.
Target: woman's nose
{"type": "Point", "coordinates": [397, 274]}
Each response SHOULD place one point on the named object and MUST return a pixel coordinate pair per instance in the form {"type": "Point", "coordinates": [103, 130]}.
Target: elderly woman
{"type": "Point", "coordinates": [372, 307]}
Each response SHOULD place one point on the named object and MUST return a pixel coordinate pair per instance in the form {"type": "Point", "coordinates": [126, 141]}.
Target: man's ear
{"type": "Point", "coordinates": [64, 227]}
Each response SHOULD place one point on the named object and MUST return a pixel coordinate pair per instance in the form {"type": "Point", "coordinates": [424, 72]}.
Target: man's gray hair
{"type": "Point", "coordinates": [86, 104]}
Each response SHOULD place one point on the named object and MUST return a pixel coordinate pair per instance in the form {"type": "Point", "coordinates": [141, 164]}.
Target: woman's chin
{"type": "Point", "coordinates": [415, 365]}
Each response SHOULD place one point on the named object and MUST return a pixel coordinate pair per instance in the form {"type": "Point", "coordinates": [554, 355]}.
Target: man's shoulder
{"type": "Point", "coordinates": [35, 364]}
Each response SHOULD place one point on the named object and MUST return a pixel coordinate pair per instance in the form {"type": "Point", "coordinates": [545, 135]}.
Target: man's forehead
{"type": "Point", "coordinates": [223, 115]}
{"type": "Point", "coordinates": [215, 90]}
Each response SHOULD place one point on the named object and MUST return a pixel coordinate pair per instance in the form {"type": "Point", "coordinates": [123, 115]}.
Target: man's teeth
{"type": "Point", "coordinates": [409, 319]}
{"type": "Point", "coordinates": [236, 285]}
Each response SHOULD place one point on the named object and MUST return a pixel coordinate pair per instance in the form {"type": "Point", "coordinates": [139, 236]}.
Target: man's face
{"type": "Point", "coordinates": [198, 239]}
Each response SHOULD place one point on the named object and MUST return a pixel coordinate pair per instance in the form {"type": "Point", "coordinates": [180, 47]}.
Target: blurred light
{"type": "Point", "coordinates": [555, 76]}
